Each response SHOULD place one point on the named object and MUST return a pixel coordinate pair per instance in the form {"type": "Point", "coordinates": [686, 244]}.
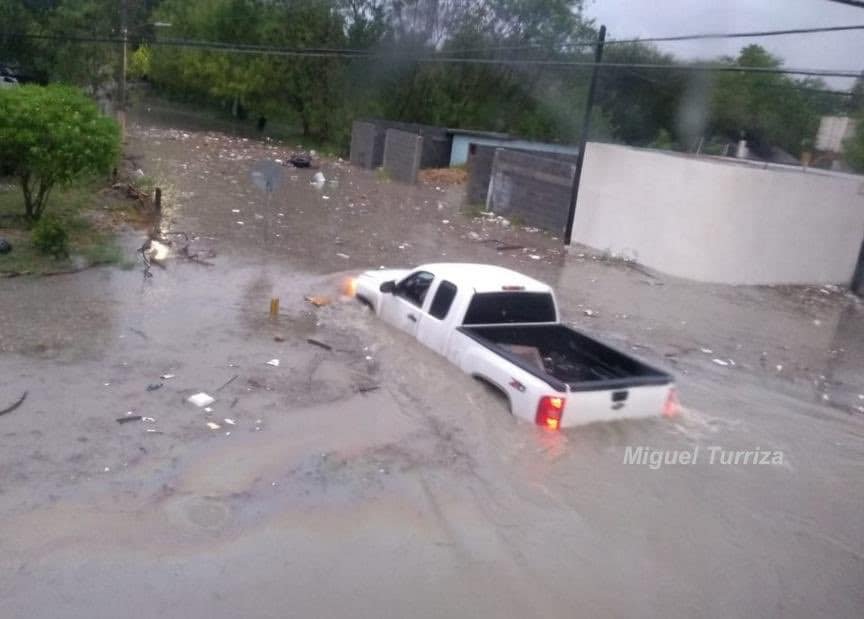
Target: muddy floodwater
{"type": "Point", "coordinates": [363, 476]}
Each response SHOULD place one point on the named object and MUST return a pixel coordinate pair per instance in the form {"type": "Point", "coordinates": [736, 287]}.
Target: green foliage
{"type": "Point", "coordinates": [52, 135]}
{"type": "Point", "coordinates": [854, 146]}
{"type": "Point", "coordinates": [322, 95]}
{"type": "Point", "coordinates": [765, 108]}
{"type": "Point", "coordinates": [140, 61]}
{"type": "Point", "coordinates": [50, 237]}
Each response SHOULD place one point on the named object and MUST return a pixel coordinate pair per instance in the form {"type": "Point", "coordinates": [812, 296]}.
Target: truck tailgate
{"type": "Point", "coordinates": [583, 407]}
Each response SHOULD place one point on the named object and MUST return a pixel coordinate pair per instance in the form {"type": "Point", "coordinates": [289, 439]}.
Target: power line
{"type": "Point", "coordinates": [644, 65]}
{"type": "Point", "coordinates": [740, 35]}
{"type": "Point", "coordinates": [340, 53]}
{"type": "Point", "coordinates": [672, 38]}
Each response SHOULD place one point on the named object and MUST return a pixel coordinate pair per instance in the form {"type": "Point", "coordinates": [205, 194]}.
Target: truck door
{"type": "Point", "coordinates": [434, 327]}
{"type": "Point", "coordinates": [403, 310]}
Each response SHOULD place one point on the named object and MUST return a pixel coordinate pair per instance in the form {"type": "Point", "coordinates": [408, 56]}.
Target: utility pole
{"type": "Point", "coordinates": [583, 137]}
{"type": "Point", "coordinates": [124, 25]}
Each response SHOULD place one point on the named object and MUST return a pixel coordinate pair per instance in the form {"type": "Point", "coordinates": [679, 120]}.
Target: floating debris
{"type": "Point", "coordinates": [274, 363]}
{"type": "Point", "coordinates": [213, 426]}
{"type": "Point", "coordinates": [167, 376]}
{"type": "Point", "coordinates": [201, 399]}
{"type": "Point", "coordinates": [129, 419]}
{"type": "Point", "coordinates": [318, 300]}
{"type": "Point", "coordinates": [721, 362]}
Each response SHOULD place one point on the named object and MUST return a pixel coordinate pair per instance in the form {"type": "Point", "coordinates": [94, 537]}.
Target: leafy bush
{"type": "Point", "coordinates": [52, 135]}
{"type": "Point", "coordinates": [50, 237]}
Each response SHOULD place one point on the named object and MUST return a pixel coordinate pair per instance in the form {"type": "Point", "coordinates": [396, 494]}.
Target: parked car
{"type": "Point", "coordinates": [504, 329]}
{"type": "Point", "coordinates": [7, 81]}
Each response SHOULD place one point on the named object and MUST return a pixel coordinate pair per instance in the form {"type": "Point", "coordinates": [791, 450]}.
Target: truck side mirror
{"type": "Point", "coordinates": [388, 287]}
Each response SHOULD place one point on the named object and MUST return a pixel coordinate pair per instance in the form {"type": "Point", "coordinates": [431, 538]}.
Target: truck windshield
{"type": "Point", "coordinates": [510, 307]}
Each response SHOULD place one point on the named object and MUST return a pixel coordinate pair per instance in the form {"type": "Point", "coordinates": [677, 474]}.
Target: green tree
{"type": "Point", "coordinates": [769, 109]}
{"type": "Point", "coordinates": [854, 146]}
{"type": "Point", "coordinates": [52, 135]}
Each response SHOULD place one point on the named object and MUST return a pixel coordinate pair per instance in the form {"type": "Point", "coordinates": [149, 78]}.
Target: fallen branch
{"type": "Point", "coordinates": [230, 380]}
{"type": "Point", "coordinates": [14, 406]}
{"type": "Point", "coordinates": [319, 344]}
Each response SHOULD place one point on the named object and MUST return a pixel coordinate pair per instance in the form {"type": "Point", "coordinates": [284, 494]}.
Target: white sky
{"type": "Point", "coordinates": [646, 18]}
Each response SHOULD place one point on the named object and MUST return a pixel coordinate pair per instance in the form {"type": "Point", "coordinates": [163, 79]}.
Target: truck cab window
{"type": "Point", "coordinates": [443, 300]}
{"type": "Point", "coordinates": [414, 287]}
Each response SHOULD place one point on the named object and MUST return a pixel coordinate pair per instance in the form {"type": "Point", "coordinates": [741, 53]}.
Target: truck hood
{"type": "Point", "coordinates": [369, 282]}
{"type": "Point", "coordinates": [384, 275]}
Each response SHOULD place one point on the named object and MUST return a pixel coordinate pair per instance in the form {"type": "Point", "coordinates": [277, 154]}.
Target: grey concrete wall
{"type": "Point", "coordinates": [720, 221]}
{"type": "Point", "coordinates": [536, 189]}
{"type": "Point", "coordinates": [367, 144]}
{"type": "Point", "coordinates": [437, 141]}
{"type": "Point", "coordinates": [479, 165]}
{"type": "Point", "coordinates": [402, 153]}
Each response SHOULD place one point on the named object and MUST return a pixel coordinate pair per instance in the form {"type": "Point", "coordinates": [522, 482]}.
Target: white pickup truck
{"type": "Point", "coordinates": [503, 328]}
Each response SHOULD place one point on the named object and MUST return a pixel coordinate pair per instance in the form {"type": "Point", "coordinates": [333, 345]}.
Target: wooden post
{"type": "Point", "coordinates": [157, 201]}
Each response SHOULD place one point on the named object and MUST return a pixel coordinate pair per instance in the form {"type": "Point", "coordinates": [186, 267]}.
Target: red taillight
{"type": "Point", "coordinates": [672, 406]}
{"type": "Point", "coordinates": [549, 412]}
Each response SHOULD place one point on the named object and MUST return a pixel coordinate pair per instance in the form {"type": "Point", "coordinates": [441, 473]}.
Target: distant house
{"type": "Point", "coordinates": [833, 131]}
{"type": "Point", "coordinates": [463, 138]}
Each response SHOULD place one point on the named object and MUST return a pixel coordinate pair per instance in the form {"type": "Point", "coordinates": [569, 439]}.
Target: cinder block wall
{"type": "Point", "coordinates": [720, 221]}
{"type": "Point", "coordinates": [367, 144]}
{"type": "Point", "coordinates": [402, 153]}
{"type": "Point", "coordinates": [536, 189]}
{"type": "Point", "coordinates": [479, 165]}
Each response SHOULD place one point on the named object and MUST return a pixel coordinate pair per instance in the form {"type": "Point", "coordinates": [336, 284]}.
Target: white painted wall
{"type": "Point", "coordinates": [712, 220]}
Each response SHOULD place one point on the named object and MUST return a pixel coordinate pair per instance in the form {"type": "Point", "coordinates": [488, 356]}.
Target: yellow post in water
{"type": "Point", "coordinates": [274, 307]}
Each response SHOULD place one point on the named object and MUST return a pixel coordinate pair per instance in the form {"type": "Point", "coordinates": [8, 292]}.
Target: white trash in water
{"type": "Point", "coordinates": [318, 179]}
{"type": "Point", "coordinates": [274, 363]}
{"type": "Point", "coordinates": [201, 399]}
{"type": "Point", "coordinates": [213, 426]}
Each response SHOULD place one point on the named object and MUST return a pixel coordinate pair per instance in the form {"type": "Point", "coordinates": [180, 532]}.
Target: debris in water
{"type": "Point", "coordinates": [148, 420]}
{"type": "Point", "coordinates": [18, 403]}
{"type": "Point", "coordinates": [274, 363]}
{"type": "Point", "coordinates": [534, 257]}
{"type": "Point", "coordinates": [344, 256]}
{"type": "Point", "coordinates": [239, 223]}
{"type": "Point", "coordinates": [128, 419]}
{"type": "Point", "coordinates": [721, 362]}
{"type": "Point", "coordinates": [779, 368]}
{"type": "Point", "coordinates": [319, 344]}
{"type": "Point", "coordinates": [201, 399]}
{"type": "Point", "coordinates": [318, 179]}
{"type": "Point", "coordinates": [707, 351]}
{"type": "Point", "coordinates": [318, 300]}
{"type": "Point", "coordinates": [325, 197]}
{"type": "Point", "coordinates": [817, 322]}
{"type": "Point", "coordinates": [213, 426]}
{"type": "Point", "coordinates": [367, 388]}
{"type": "Point", "coordinates": [228, 382]}
{"type": "Point", "coordinates": [235, 210]}
{"type": "Point", "coordinates": [154, 386]}
{"type": "Point", "coordinates": [591, 313]}
{"type": "Point", "coordinates": [207, 409]}
{"type": "Point", "coordinates": [278, 338]}
{"type": "Point", "coordinates": [230, 422]}
{"type": "Point", "coordinates": [167, 376]}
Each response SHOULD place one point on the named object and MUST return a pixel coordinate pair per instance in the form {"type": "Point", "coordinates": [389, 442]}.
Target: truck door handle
{"type": "Point", "coordinates": [412, 317]}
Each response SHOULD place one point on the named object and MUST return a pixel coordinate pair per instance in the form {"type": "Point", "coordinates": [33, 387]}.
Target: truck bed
{"type": "Point", "coordinates": [565, 358]}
